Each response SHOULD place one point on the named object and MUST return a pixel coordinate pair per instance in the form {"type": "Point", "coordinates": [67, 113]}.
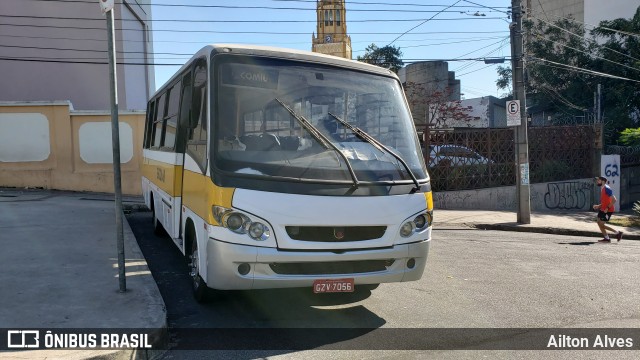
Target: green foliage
{"type": "Point", "coordinates": [630, 137]}
{"type": "Point", "coordinates": [636, 208]}
{"type": "Point", "coordinates": [504, 79]}
{"type": "Point", "coordinates": [388, 57]}
{"type": "Point", "coordinates": [570, 92]}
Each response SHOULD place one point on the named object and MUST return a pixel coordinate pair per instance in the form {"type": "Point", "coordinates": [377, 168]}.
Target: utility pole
{"type": "Point", "coordinates": [107, 8]}
{"type": "Point", "coordinates": [523, 191]}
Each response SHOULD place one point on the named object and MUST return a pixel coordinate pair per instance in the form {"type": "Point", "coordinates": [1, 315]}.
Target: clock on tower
{"type": "Point", "coordinates": [332, 38]}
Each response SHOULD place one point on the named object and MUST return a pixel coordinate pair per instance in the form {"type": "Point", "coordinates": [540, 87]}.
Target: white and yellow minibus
{"type": "Point", "coordinates": [274, 168]}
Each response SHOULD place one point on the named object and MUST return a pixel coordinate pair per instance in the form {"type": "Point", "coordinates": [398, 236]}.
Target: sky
{"type": "Point", "coordinates": [422, 29]}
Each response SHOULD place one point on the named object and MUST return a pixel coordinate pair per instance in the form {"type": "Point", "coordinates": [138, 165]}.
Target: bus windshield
{"type": "Point", "coordinates": [284, 120]}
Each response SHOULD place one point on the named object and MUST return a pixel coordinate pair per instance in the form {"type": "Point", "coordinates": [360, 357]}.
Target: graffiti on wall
{"type": "Point", "coordinates": [568, 195]}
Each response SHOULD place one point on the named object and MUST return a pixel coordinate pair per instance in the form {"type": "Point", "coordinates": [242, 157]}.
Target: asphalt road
{"type": "Point", "coordinates": [474, 279]}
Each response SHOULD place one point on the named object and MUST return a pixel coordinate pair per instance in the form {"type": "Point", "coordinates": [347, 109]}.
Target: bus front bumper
{"type": "Point", "coordinates": [241, 267]}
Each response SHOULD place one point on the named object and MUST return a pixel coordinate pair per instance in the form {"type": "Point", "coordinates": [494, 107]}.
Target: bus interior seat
{"type": "Point", "coordinates": [290, 143]}
{"type": "Point", "coordinates": [262, 142]}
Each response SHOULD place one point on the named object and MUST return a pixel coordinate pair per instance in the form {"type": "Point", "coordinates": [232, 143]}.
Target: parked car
{"type": "Point", "coordinates": [455, 155]}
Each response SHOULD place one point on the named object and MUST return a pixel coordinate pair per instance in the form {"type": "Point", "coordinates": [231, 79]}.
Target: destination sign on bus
{"type": "Point", "coordinates": [250, 76]}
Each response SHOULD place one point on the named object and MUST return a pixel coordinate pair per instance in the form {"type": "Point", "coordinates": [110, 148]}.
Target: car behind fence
{"type": "Point", "coordinates": [465, 159]}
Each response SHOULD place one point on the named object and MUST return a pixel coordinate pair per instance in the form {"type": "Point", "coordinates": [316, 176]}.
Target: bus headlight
{"type": "Point", "coordinates": [235, 221]}
{"type": "Point", "coordinates": [240, 223]}
{"type": "Point", "coordinates": [407, 229]}
{"type": "Point", "coordinates": [258, 231]}
{"type": "Point", "coordinates": [418, 224]}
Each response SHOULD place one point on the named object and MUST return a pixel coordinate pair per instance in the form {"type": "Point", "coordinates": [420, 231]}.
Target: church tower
{"type": "Point", "coordinates": [332, 36]}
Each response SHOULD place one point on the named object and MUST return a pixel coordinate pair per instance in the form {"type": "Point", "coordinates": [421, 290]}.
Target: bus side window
{"type": "Point", "coordinates": [185, 114]}
{"type": "Point", "coordinates": [171, 118]}
{"type": "Point", "coordinates": [149, 124]}
{"type": "Point", "coordinates": [197, 135]}
{"type": "Point", "coordinates": [158, 123]}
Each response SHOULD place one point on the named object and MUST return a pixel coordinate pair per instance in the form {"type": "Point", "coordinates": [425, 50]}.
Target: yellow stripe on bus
{"type": "Point", "coordinates": [429, 198]}
{"type": "Point", "coordinates": [167, 177]}
{"type": "Point", "coordinates": [200, 194]}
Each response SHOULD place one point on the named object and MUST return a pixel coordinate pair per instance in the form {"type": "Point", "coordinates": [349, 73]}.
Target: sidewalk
{"type": "Point", "coordinates": [561, 223]}
{"type": "Point", "coordinates": [59, 271]}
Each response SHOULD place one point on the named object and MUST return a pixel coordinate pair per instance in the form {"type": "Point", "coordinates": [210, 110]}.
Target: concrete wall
{"type": "Point", "coordinates": [553, 10]}
{"type": "Point", "coordinates": [58, 51]}
{"type": "Point", "coordinates": [563, 195]}
{"type": "Point", "coordinates": [433, 76]}
{"type": "Point", "coordinates": [629, 186]}
{"type": "Point", "coordinates": [49, 146]}
{"type": "Point", "coordinates": [598, 10]}
{"type": "Point", "coordinates": [486, 111]}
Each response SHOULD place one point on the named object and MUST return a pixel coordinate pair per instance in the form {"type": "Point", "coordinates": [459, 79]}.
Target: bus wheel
{"type": "Point", "coordinates": [198, 285]}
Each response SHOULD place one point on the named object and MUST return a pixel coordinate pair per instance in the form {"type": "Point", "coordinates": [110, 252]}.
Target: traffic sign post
{"type": "Point", "coordinates": [523, 191]}
{"type": "Point", "coordinates": [513, 113]}
{"type": "Point", "coordinates": [107, 8]}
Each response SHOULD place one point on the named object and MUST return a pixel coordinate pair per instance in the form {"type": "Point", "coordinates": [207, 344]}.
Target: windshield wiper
{"type": "Point", "coordinates": [323, 140]}
{"type": "Point", "coordinates": [378, 145]}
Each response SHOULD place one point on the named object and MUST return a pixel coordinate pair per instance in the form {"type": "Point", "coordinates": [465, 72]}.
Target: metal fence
{"type": "Point", "coordinates": [629, 155]}
{"type": "Point", "coordinates": [464, 159]}
{"type": "Point", "coordinates": [470, 158]}
{"type": "Point", "coordinates": [558, 153]}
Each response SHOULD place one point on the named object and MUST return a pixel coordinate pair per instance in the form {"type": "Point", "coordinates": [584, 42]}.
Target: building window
{"type": "Point", "coordinates": [338, 17]}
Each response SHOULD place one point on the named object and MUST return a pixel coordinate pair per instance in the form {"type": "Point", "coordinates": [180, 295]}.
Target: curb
{"type": "Point", "coordinates": [545, 230]}
{"type": "Point", "coordinates": [159, 334]}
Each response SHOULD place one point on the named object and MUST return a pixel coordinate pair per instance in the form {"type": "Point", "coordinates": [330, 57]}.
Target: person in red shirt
{"type": "Point", "coordinates": [605, 209]}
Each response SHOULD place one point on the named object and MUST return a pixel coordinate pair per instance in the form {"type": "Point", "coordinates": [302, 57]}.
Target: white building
{"type": "Point", "coordinates": [589, 12]}
{"type": "Point", "coordinates": [56, 50]}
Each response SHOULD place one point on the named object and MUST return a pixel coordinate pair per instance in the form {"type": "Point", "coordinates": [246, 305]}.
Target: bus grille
{"type": "Point", "coordinates": [331, 268]}
{"type": "Point", "coordinates": [335, 234]}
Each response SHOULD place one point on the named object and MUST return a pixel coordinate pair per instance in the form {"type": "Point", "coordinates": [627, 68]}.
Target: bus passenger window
{"type": "Point", "coordinates": [197, 137]}
{"type": "Point", "coordinates": [148, 130]}
{"type": "Point", "coordinates": [157, 131]}
{"type": "Point", "coordinates": [172, 117]}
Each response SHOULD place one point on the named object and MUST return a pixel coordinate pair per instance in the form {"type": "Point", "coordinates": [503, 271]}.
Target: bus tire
{"type": "Point", "coordinates": [199, 287]}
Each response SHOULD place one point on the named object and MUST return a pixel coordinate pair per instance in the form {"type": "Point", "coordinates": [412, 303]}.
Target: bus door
{"type": "Point", "coordinates": [194, 118]}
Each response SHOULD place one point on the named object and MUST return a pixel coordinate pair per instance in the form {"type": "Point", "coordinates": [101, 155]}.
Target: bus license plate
{"type": "Point", "coordinates": [333, 286]}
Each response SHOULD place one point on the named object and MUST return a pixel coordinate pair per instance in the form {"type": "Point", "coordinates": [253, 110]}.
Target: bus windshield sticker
{"type": "Point", "coordinates": [249, 76]}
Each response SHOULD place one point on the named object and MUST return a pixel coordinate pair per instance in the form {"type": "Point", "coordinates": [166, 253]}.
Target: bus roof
{"type": "Point", "coordinates": [283, 53]}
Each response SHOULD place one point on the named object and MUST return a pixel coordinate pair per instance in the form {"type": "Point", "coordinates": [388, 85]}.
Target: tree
{"type": "Point", "coordinates": [504, 80]}
{"type": "Point", "coordinates": [388, 57]}
{"type": "Point", "coordinates": [562, 61]}
{"type": "Point", "coordinates": [436, 105]}
{"type": "Point", "coordinates": [622, 50]}
{"type": "Point", "coordinates": [630, 137]}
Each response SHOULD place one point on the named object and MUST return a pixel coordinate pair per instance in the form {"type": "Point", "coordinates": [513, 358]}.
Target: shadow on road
{"type": "Point", "coordinates": [581, 243]}
{"type": "Point", "coordinates": [312, 319]}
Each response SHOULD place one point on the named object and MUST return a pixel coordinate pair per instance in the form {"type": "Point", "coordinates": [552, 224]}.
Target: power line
{"type": "Point", "coordinates": [58, 60]}
{"type": "Point", "coordinates": [431, 18]}
{"type": "Point", "coordinates": [243, 32]}
{"type": "Point", "coordinates": [583, 38]}
{"type": "Point", "coordinates": [300, 1]}
{"type": "Point", "coordinates": [239, 21]}
{"type": "Point", "coordinates": [586, 53]}
{"type": "Point", "coordinates": [472, 71]}
{"type": "Point", "coordinates": [590, 25]}
{"type": "Point", "coordinates": [586, 71]}
{"type": "Point", "coordinates": [487, 7]}
{"type": "Point", "coordinates": [202, 42]}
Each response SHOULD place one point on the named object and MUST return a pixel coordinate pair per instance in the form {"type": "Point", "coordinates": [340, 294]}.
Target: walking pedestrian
{"type": "Point", "coordinates": [606, 209]}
